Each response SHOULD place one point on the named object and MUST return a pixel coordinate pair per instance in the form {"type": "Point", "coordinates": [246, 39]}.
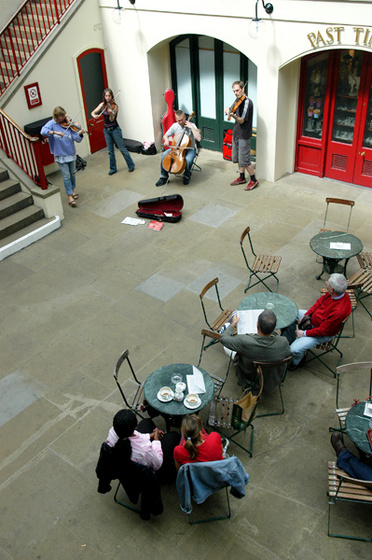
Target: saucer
{"type": "Point", "coordinates": [165, 398]}
{"type": "Point", "coordinates": [192, 405]}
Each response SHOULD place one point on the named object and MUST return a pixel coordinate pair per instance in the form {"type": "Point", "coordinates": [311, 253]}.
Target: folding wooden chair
{"type": "Point", "coordinates": [361, 281]}
{"type": "Point", "coordinates": [136, 404]}
{"type": "Point", "coordinates": [215, 326]}
{"type": "Point", "coordinates": [263, 264]}
{"type": "Point", "coordinates": [342, 201]}
{"type": "Point", "coordinates": [269, 368]}
{"type": "Point", "coordinates": [221, 416]}
{"type": "Point", "coordinates": [341, 410]}
{"type": "Point", "coordinates": [328, 348]}
{"type": "Point", "coordinates": [365, 260]}
{"type": "Point", "coordinates": [344, 488]}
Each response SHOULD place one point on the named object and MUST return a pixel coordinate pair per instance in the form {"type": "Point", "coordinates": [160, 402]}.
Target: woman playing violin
{"type": "Point", "coordinates": [242, 112]}
{"type": "Point", "coordinates": [61, 143]}
{"type": "Point", "coordinates": [181, 126]}
{"type": "Point", "coordinates": [112, 131]}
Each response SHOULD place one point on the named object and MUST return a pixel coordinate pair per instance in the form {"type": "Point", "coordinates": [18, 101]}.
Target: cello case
{"type": "Point", "coordinates": [163, 208]}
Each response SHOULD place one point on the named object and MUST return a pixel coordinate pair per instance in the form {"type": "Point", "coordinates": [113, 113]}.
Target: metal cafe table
{"type": "Point", "coordinates": [321, 245]}
{"type": "Point", "coordinates": [357, 424]}
{"type": "Point", "coordinates": [172, 411]}
{"type": "Point", "coordinates": [285, 309]}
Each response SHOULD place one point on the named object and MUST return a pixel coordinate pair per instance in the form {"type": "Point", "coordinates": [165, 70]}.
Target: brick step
{"type": "Point", "coordinates": [14, 203]}
{"type": "Point", "coordinates": [21, 219]}
{"type": "Point", "coordinates": [8, 187]}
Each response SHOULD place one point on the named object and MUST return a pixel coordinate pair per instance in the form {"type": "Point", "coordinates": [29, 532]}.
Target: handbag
{"type": "Point", "coordinates": [243, 409]}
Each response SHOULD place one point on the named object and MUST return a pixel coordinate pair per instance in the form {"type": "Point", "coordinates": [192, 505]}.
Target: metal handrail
{"type": "Point", "coordinates": [24, 33]}
{"type": "Point", "coordinates": [23, 149]}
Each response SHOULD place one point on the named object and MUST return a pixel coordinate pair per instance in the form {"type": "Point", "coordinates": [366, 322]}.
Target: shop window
{"type": "Point", "coordinates": [315, 90]}
{"type": "Point", "coordinates": [347, 91]}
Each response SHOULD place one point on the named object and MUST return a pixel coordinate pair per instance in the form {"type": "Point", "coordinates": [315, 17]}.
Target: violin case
{"type": "Point", "coordinates": [163, 208]}
{"type": "Point", "coordinates": [133, 145]}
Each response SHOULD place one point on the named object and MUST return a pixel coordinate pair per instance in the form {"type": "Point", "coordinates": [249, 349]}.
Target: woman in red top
{"type": "Point", "coordinates": [196, 444]}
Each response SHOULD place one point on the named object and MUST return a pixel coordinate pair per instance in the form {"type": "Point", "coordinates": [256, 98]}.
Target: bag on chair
{"type": "Point", "coordinates": [243, 409]}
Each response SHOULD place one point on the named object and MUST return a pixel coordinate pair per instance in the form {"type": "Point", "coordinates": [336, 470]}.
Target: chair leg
{"type": "Point", "coordinates": [319, 356]}
{"type": "Point", "coordinates": [353, 538]}
{"type": "Point", "coordinates": [274, 413]}
{"type": "Point", "coordinates": [136, 510]}
{"type": "Point", "coordinates": [217, 518]}
{"type": "Point", "coordinates": [261, 281]}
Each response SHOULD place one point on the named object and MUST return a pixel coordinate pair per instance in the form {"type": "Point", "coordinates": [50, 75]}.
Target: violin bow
{"type": "Point", "coordinates": [71, 121]}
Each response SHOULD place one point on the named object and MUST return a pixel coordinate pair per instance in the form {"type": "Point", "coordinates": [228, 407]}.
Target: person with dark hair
{"type": "Point", "coordinates": [242, 112]}
{"type": "Point", "coordinates": [181, 126]}
{"type": "Point", "coordinates": [321, 322]}
{"type": "Point", "coordinates": [350, 463]}
{"type": "Point", "coordinates": [264, 346]}
{"type": "Point", "coordinates": [196, 444]}
{"type": "Point", "coordinates": [144, 443]}
{"type": "Point", "coordinates": [61, 143]}
{"type": "Point", "coordinates": [112, 131]}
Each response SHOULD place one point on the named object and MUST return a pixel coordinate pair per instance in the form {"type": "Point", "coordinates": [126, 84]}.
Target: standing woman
{"type": "Point", "coordinates": [61, 144]}
{"type": "Point", "coordinates": [112, 131]}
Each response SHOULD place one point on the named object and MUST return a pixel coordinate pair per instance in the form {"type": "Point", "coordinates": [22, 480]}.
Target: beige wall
{"type": "Point", "coordinates": [137, 61]}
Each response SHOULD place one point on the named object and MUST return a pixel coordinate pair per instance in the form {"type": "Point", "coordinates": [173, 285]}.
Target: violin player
{"type": "Point", "coordinates": [181, 127]}
{"type": "Point", "coordinates": [112, 131]}
{"type": "Point", "coordinates": [242, 112]}
{"type": "Point", "coordinates": [61, 143]}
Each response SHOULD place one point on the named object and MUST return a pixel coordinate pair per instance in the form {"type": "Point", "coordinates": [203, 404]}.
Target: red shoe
{"type": "Point", "coordinates": [238, 181]}
{"type": "Point", "coordinates": [251, 185]}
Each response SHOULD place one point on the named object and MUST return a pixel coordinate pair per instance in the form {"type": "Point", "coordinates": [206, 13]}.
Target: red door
{"type": "Point", "coordinates": [363, 160]}
{"type": "Point", "coordinates": [93, 80]}
{"type": "Point", "coordinates": [349, 146]}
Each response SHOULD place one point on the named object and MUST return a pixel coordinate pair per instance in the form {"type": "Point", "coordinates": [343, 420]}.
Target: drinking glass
{"type": "Point", "coordinates": [176, 378]}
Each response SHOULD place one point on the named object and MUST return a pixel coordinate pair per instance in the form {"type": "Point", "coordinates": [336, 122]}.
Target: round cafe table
{"type": "Point", "coordinates": [161, 377]}
{"type": "Point", "coordinates": [285, 309]}
{"type": "Point", "coordinates": [356, 425]}
{"type": "Point", "coordinates": [321, 245]}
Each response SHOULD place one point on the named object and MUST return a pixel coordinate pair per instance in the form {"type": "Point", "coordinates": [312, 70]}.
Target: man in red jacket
{"type": "Point", "coordinates": [323, 320]}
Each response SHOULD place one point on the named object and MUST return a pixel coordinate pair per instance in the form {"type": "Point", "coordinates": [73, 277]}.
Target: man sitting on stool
{"type": "Point", "coordinates": [182, 126]}
{"type": "Point", "coordinates": [321, 322]}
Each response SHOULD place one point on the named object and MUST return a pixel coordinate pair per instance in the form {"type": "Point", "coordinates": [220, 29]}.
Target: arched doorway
{"type": "Point", "coordinates": [335, 116]}
{"type": "Point", "coordinates": [203, 70]}
{"type": "Point", "coordinates": [93, 80]}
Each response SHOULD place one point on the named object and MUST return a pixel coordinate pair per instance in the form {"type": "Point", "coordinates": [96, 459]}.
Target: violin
{"type": "Point", "coordinates": [175, 161]}
{"type": "Point", "coordinates": [237, 104]}
{"type": "Point", "coordinates": [68, 124]}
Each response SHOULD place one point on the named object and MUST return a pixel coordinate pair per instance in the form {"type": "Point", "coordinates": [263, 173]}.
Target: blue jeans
{"type": "Point", "coordinates": [68, 175]}
{"type": "Point", "coordinates": [115, 138]}
{"type": "Point", "coordinates": [348, 462]}
{"type": "Point", "coordinates": [190, 156]}
{"type": "Point", "coordinates": [301, 345]}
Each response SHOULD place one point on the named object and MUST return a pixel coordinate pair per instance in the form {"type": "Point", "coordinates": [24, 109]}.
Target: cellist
{"type": "Point", "coordinates": [181, 126]}
{"type": "Point", "coordinates": [242, 112]}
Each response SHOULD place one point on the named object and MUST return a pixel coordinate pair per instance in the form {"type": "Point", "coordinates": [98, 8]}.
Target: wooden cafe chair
{"type": "Point", "coordinates": [136, 401]}
{"type": "Point", "coordinates": [342, 201]}
{"type": "Point", "coordinates": [266, 265]}
{"type": "Point", "coordinates": [344, 488]}
{"type": "Point", "coordinates": [361, 282]}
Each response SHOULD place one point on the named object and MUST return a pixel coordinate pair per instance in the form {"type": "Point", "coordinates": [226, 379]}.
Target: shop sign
{"type": "Point", "coordinates": [361, 36]}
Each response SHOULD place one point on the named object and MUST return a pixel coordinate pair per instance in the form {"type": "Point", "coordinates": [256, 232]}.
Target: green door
{"type": "Point", "coordinates": [203, 70]}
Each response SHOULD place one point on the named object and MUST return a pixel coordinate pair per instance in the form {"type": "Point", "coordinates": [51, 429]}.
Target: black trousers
{"type": "Point", "coordinates": [167, 472]}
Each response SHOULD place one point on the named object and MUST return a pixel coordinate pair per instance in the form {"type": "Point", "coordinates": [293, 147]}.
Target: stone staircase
{"type": "Point", "coordinates": [17, 209]}
{"type": "Point", "coordinates": [21, 222]}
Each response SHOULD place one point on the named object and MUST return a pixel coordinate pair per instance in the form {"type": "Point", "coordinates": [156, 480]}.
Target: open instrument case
{"type": "Point", "coordinates": [163, 208]}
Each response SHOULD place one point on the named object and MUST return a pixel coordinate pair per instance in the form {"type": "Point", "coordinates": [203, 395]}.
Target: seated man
{"type": "Point", "coordinates": [348, 462]}
{"type": "Point", "coordinates": [321, 322]}
{"type": "Point", "coordinates": [182, 126]}
{"type": "Point", "coordinates": [265, 346]}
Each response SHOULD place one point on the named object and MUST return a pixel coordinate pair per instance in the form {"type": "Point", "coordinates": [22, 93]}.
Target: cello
{"type": "Point", "coordinates": [175, 161]}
